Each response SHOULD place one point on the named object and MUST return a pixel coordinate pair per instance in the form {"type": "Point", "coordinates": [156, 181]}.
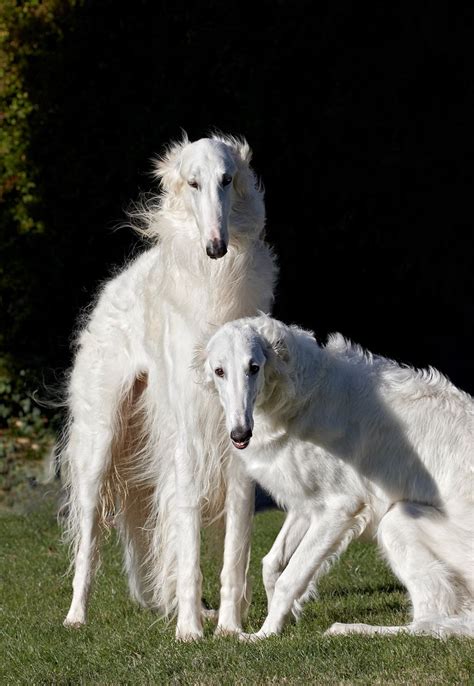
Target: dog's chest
{"type": "Point", "coordinates": [283, 469]}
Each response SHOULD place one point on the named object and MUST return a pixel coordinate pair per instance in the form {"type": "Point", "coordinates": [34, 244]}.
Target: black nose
{"type": "Point", "coordinates": [216, 249]}
{"type": "Point", "coordinates": [240, 435]}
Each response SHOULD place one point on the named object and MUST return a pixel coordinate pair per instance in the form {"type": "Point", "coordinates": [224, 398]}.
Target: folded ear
{"type": "Point", "coordinates": [275, 336]}
{"type": "Point", "coordinates": [166, 167]}
{"type": "Point", "coordinates": [245, 181]}
{"type": "Point", "coordinates": [242, 149]}
{"type": "Point", "coordinates": [278, 357]}
{"type": "Point", "coordinates": [238, 145]}
{"type": "Point", "coordinates": [279, 387]}
{"type": "Point", "coordinates": [202, 373]}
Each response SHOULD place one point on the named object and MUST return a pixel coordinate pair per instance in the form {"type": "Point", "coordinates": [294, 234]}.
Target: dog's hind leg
{"type": "Point", "coordinates": [431, 584]}
{"type": "Point", "coordinates": [429, 580]}
{"type": "Point", "coordinates": [87, 472]}
{"type": "Point", "coordinates": [437, 627]}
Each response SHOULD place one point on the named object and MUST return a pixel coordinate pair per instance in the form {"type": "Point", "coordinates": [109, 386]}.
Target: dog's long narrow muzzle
{"type": "Point", "coordinates": [216, 248]}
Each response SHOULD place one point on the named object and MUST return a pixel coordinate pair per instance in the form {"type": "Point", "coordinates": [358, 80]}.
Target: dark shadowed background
{"type": "Point", "coordinates": [360, 124]}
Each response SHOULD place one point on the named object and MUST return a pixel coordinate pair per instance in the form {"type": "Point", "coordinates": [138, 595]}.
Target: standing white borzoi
{"type": "Point", "coordinates": [349, 443]}
{"type": "Point", "coordinates": [144, 441]}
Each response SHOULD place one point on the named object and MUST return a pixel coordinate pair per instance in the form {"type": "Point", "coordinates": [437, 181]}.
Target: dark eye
{"type": "Point", "coordinates": [193, 184]}
{"type": "Point", "coordinates": [226, 179]}
{"type": "Point", "coordinates": [219, 372]}
{"type": "Point", "coordinates": [254, 369]}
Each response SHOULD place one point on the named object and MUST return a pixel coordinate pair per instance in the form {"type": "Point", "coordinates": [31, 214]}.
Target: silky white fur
{"type": "Point", "coordinates": [145, 443]}
{"type": "Point", "coordinates": [352, 443]}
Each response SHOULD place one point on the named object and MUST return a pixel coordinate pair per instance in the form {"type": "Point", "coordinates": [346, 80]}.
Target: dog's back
{"type": "Point", "coordinates": [416, 427]}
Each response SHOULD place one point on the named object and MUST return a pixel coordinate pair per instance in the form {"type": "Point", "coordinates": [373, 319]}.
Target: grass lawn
{"type": "Point", "coordinates": [123, 644]}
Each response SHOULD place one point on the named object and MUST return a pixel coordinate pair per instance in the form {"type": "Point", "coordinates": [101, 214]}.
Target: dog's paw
{"type": "Point", "coordinates": [339, 629]}
{"type": "Point", "coordinates": [71, 623]}
{"type": "Point", "coordinates": [187, 635]}
{"type": "Point", "coordinates": [335, 629]}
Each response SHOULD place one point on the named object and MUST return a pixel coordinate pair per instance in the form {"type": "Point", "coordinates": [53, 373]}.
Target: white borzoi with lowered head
{"type": "Point", "coordinates": [352, 443]}
{"type": "Point", "coordinates": [144, 442]}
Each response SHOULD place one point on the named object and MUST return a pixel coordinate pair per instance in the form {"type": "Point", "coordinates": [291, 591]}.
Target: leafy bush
{"type": "Point", "coordinates": [28, 31]}
{"type": "Point", "coordinates": [25, 432]}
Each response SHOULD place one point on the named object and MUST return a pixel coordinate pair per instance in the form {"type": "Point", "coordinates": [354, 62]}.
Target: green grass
{"type": "Point", "coordinates": [125, 645]}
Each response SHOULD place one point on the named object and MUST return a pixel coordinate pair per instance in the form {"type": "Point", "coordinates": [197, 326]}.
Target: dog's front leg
{"type": "Point", "coordinates": [324, 535]}
{"type": "Point", "coordinates": [289, 537]}
{"type": "Point", "coordinates": [239, 508]}
{"type": "Point", "coordinates": [188, 526]}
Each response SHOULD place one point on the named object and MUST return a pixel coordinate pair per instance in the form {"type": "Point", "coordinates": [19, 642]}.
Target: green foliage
{"type": "Point", "coordinates": [25, 433]}
{"type": "Point", "coordinates": [123, 644]}
{"type": "Point", "coordinates": [26, 28]}
{"type": "Point", "coordinates": [28, 31]}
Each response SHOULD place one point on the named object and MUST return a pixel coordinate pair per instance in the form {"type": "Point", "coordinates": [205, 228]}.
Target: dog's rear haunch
{"type": "Point", "coordinates": [351, 443]}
